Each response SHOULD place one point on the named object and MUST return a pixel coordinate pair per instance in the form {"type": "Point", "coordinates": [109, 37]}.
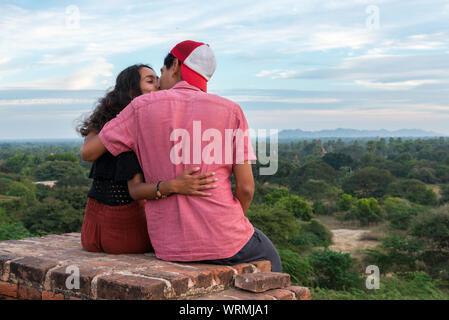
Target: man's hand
{"type": "Point", "coordinates": [92, 148]}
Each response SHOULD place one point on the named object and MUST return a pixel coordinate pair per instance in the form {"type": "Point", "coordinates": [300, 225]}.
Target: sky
{"type": "Point", "coordinates": [310, 65]}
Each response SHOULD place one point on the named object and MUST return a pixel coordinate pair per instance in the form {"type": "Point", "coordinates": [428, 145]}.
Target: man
{"type": "Point", "coordinates": [182, 228]}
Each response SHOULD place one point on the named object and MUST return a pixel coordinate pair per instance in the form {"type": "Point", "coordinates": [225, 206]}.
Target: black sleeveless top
{"type": "Point", "coordinates": [111, 175]}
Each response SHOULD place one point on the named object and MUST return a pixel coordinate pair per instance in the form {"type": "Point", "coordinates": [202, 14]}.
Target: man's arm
{"type": "Point", "coordinates": [244, 184]}
{"type": "Point", "coordinates": [92, 147]}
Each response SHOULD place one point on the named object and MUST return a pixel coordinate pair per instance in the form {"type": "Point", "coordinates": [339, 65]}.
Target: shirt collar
{"type": "Point", "coordinates": [185, 85]}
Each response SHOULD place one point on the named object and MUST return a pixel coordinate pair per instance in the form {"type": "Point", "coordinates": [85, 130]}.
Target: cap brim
{"type": "Point", "coordinates": [193, 78]}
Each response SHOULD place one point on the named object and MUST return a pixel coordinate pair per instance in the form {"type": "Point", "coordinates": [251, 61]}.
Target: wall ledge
{"type": "Point", "coordinates": [51, 267]}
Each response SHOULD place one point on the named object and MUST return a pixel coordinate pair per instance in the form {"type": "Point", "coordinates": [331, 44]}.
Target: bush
{"type": "Point", "coordinates": [345, 202]}
{"type": "Point", "coordinates": [400, 212]}
{"type": "Point", "coordinates": [414, 191]}
{"type": "Point", "coordinates": [433, 226]}
{"type": "Point", "coordinates": [317, 189]}
{"type": "Point", "coordinates": [313, 234]}
{"type": "Point", "coordinates": [57, 169]}
{"type": "Point", "coordinates": [13, 231]}
{"type": "Point", "coordinates": [368, 182]}
{"type": "Point", "coordinates": [311, 170]}
{"type": "Point", "coordinates": [396, 254]}
{"type": "Point", "coordinates": [274, 196]}
{"type": "Point", "coordinates": [338, 160]}
{"type": "Point", "coordinates": [322, 209]}
{"type": "Point", "coordinates": [412, 286]}
{"type": "Point", "coordinates": [432, 230]}
{"type": "Point", "coordinates": [53, 216]}
{"type": "Point", "coordinates": [276, 222]}
{"type": "Point", "coordinates": [299, 268]}
{"type": "Point", "coordinates": [333, 270]}
{"type": "Point", "coordinates": [365, 211]}
{"type": "Point", "coordinates": [300, 208]}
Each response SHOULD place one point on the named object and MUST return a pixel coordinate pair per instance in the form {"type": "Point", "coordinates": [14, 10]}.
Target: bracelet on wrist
{"type": "Point", "coordinates": [159, 195]}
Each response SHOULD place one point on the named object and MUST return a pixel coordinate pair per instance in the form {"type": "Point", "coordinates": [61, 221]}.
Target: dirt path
{"type": "Point", "coordinates": [348, 240]}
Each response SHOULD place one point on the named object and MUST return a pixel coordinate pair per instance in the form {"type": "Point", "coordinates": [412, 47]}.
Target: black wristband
{"type": "Point", "coordinates": [157, 190]}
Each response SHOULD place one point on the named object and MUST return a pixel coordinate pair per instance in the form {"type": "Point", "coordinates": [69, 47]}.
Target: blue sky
{"type": "Point", "coordinates": [313, 65]}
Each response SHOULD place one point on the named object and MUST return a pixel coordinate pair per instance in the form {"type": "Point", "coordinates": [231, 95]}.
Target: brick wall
{"type": "Point", "coordinates": [55, 267]}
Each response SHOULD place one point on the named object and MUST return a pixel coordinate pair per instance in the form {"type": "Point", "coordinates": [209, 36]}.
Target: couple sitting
{"type": "Point", "coordinates": [190, 212]}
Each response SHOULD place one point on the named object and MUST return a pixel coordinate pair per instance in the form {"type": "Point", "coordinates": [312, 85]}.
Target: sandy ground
{"type": "Point", "coordinates": [348, 240]}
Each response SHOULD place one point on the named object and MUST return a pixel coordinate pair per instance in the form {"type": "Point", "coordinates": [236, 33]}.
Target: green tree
{"type": "Point", "coordinates": [299, 268]}
{"type": "Point", "coordinates": [345, 202]}
{"type": "Point", "coordinates": [365, 211]}
{"type": "Point", "coordinates": [276, 222]}
{"type": "Point", "coordinates": [312, 170]}
{"type": "Point", "coordinates": [413, 190]}
{"type": "Point", "coordinates": [300, 208]}
{"type": "Point", "coordinates": [313, 234]}
{"type": "Point", "coordinates": [13, 231]}
{"type": "Point", "coordinates": [397, 254]}
{"type": "Point", "coordinates": [55, 170]}
{"type": "Point", "coordinates": [337, 160]}
{"type": "Point", "coordinates": [52, 216]}
{"type": "Point", "coordinates": [333, 270]}
{"type": "Point", "coordinates": [368, 182]}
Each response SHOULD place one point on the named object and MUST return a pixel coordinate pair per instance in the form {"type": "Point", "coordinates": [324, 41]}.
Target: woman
{"type": "Point", "coordinates": [114, 220]}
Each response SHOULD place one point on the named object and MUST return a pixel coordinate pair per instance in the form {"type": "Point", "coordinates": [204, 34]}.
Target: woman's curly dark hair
{"type": "Point", "coordinates": [127, 87]}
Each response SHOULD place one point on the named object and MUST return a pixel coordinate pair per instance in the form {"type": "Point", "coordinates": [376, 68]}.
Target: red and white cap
{"type": "Point", "coordinates": [198, 62]}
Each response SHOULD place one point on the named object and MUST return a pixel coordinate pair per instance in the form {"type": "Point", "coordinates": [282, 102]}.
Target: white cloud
{"type": "Point", "coordinates": [399, 85]}
{"type": "Point", "coordinates": [44, 101]}
{"type": "Point", "coordinates": [85, 78]}
{"type": "Point", "coordinates": [4, 60]}
{"type": "Point", "coordinates": [280, 99]}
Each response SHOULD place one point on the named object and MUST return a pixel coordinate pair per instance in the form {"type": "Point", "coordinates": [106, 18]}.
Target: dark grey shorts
{"type": "Point", "coordinates": [259, 247]}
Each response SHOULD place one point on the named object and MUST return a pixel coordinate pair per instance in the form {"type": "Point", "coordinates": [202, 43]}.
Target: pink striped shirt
{"type": "Point", "coordinates": [155, 126]}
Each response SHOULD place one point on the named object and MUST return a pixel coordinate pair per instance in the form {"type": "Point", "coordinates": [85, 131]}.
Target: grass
{"type": "Point", "coordinates": [417, 287]}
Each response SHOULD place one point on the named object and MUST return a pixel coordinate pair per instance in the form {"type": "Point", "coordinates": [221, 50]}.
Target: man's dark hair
{"type": "Point", "coordinates": [168, 61]}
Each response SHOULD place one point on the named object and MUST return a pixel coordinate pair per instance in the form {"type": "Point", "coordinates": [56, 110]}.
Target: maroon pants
{"type": "Point", "coordinates": [115, 229]}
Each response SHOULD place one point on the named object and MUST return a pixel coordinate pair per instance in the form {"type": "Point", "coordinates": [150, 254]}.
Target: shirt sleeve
{"type": "Point", "coordinates": [119, 134]}
{"type": "Point", "coordinates": [242, 146]}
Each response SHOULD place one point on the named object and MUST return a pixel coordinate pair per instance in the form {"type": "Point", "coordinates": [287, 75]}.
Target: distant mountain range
{"type": "Point", "coordinates": [354, 133]}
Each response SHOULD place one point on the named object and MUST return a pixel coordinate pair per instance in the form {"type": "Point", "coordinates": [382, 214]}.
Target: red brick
{"type": "Point", "coordinates": [49, 295]}
{"type": "Point", "coordinates": [260, 282]}
{"type": "Point", "coordinates": [223, 275]}
{"type": "Point", "coordinates": [243, 268]}
{"type": "Point", "coordinates": [8, 289]}
{"type": "Point", "coordinates": [236, 294]}
{"type": "Point", "coordinates": [281, 294]}
{"type": "Point", "coordinates": [58, 278]}
{"type": "Point", "coordinates": [74, 298]}
{"type": "Point", "coordinates": [179, 282]}
{"type": "Point", "coordinates": [28, 293]}
{"type": "Point", "coordinates": [4, 258]}
{"type": "Point", "coordinates": [128, 287]}
{"type": "Point", "coordinates": [262, 266]}
{"type": "Point", "coordinates": [301, 293]}
{"type": "Point", "coordinates": [31, 268]}
{"type": "Point", "coordinates": [199, 278]}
